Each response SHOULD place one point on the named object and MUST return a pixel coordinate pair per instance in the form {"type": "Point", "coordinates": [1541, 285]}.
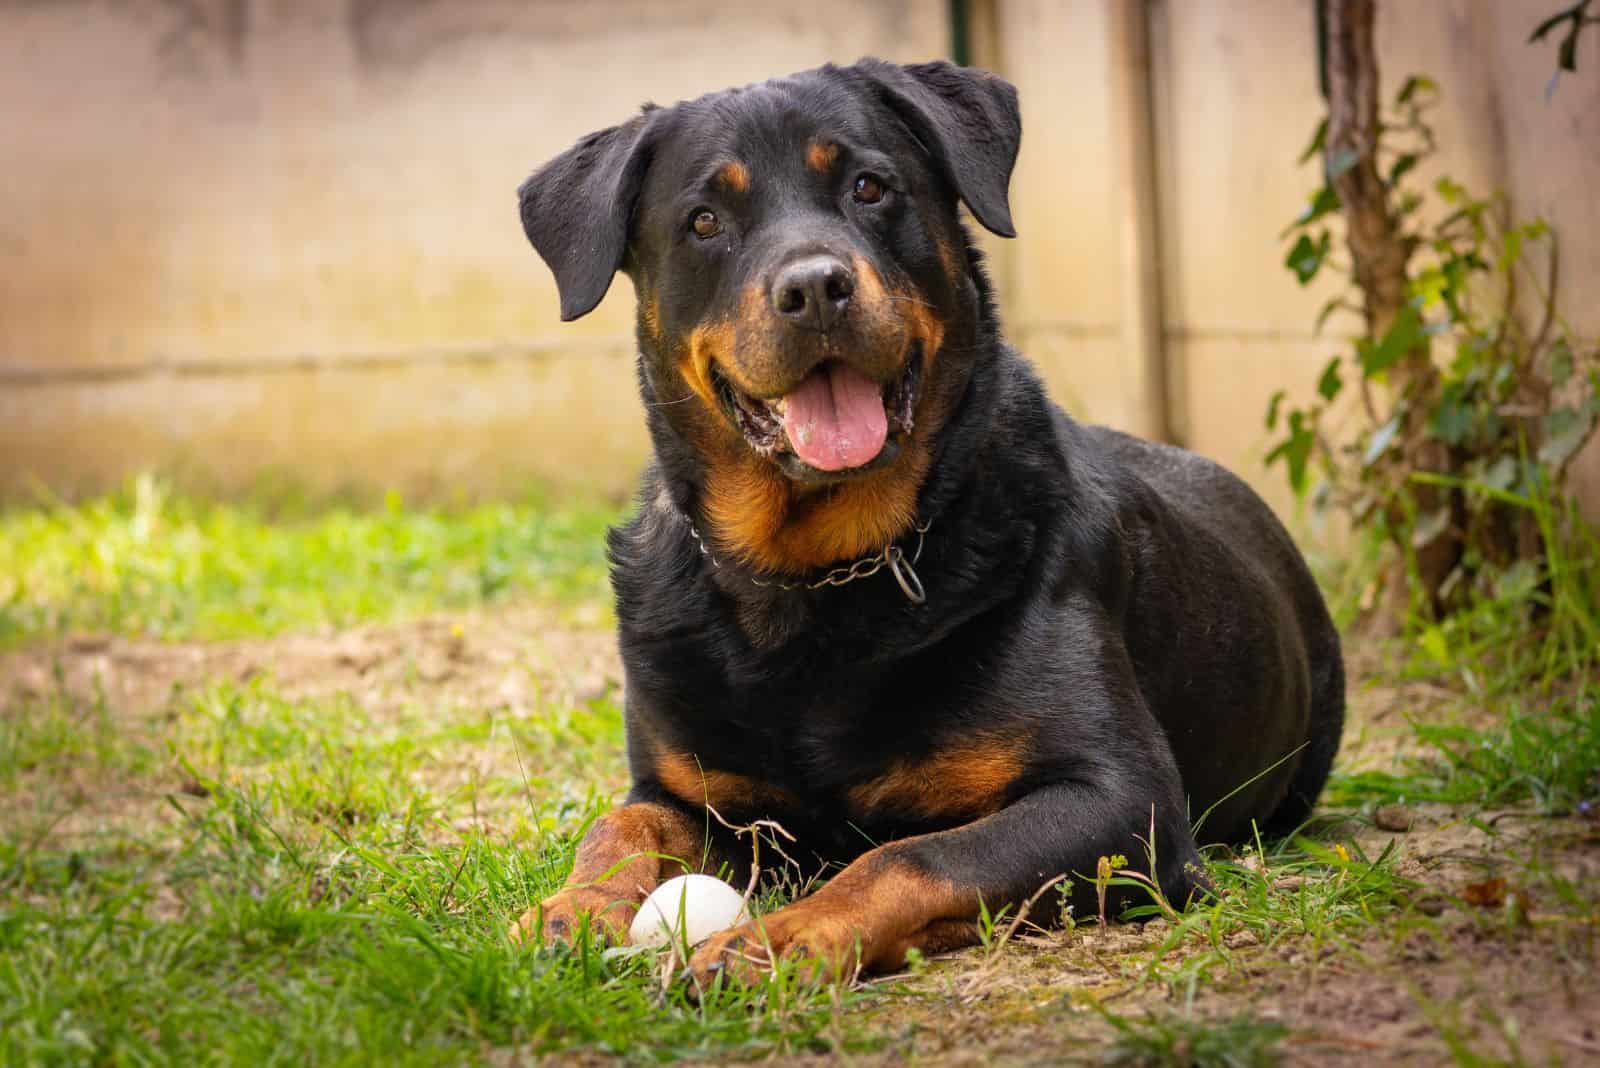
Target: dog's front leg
{"type": "Point", "coordinates": [926, 893]}
{"type": "Point", "coordinates": [625, 855]}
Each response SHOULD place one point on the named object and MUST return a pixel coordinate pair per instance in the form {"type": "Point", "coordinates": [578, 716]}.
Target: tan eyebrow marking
{"type": "Point", "coordinates": [821, 156]}
{"type": "Point", "coordinates": [735, 176]}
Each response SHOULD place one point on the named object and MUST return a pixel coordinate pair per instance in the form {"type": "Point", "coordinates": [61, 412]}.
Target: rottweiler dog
{"type": "Point", "coordinates": [879, 589]}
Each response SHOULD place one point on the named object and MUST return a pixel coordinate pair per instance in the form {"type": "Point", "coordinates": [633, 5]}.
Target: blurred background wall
{"type": "Point", "coordinates": [242, 237]}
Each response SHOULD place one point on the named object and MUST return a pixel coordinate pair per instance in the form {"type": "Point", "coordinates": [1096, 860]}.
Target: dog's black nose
{"type": "Point", "coordinates": [813, 292]}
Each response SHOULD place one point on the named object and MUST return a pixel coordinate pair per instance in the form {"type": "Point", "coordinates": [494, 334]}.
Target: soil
{"type": "Point", "coordinates": [1517, 982]}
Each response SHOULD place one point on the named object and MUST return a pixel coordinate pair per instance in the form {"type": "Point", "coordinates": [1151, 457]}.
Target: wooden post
{"type": "Point", "coordinates": [1145, 373]}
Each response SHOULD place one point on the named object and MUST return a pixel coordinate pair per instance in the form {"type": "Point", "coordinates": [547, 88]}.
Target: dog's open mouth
{"type": "Point", "coordinates": [836, 420]}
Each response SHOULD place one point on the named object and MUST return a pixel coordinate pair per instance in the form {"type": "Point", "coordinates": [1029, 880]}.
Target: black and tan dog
{"type": "Point", "coordinates": [880, 589]}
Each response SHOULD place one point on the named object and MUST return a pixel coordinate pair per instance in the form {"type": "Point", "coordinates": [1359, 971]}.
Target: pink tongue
{"type": "Point", "coordinates": [835, 418]}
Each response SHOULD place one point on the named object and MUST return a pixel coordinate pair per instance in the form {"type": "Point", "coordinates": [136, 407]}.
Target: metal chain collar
{"type": "Point", "coordinates": [891, 556]}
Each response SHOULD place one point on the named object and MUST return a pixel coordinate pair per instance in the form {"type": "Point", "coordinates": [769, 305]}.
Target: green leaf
{"type": "Point", "coordinates": [1451, 421]}
{"type": "Point", "coordinates": [1501, 474]}
{"type": "Point", "coordinates": [1413, 85]}
{"type": "Point", "coordinates": [1510, 251]}
{"type": "Point", "coordinates": [1318, 139]}
{"type": "Point", "coordinates": [1305, 259]}
{"type": "Point", "coordinates": [1402, 336]}
{"type": "Point", "coordinates": [1452, 191]}
{"type": "Point", "coordinates": [1323, 202]}
{"type": "Point", "coordinates": [1401, 167]}
{"type": "Point", "coordinates": [1272, 408]}
{"type": "Point", "coordinates": [1560, 363]}
{"type": "Point", "coordinates": [1429, 286]}
{"type": "Point", "coordinates": [1329, 384]}
{"type": "Point", "coordinates": [1435, 644]}
{"type": "Point", "coordinates": [1295, 450]}
{"type": "Point", "coordinates": [1327, 309]}
{"type": "Point", "coordinates": [1565, 430]}
{"type": "Point", "coordinates": [1382, 438]}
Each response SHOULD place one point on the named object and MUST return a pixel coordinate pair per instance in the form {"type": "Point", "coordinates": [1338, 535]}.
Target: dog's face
{"type": "Point", "coordinates": [806, 293]}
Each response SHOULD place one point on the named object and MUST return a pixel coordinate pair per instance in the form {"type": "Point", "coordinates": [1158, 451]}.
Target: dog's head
{"type": "Point", "coordinates": [807, 296]}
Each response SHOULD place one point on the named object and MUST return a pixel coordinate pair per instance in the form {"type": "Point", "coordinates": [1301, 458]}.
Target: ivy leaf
{"type": "Point", "coordinates": [1500, 474]}
{"type": "Point", "coordinates": [1329, 385]}
{"type": "Point", "coordinates": [1510, 251]}
{"type": "Point", "coordinates": [1560, 363]}
{"type": "Point", "coordinates": [1323, 202]}
{"type": "Point", "coordinates": [1413, 85]}
{"type": "Point", "coordinates": [1295, 450]}
{"type": "Point", "coordinates": [1382, 438]}
{"type": "Point", "coordinates": [1451, 420]}
{"type": "Point", "coordinates": [1435, 644]}
{"type": "Point", "coordinates": [1401, 337]}
{"type": "Point", "coordinates": [1401, 167]}
{"type": "Point", "coordinates": [1453, 192]}
{"type": "Point", "coordinates": [1272, 408]}
{"type": "Point", "coordinates": [1328, 309]}
{"type": "Point", "coordinates": [1305, 259]}
{"type": "Point", "coordinates": [1318, 139]}
{"type": "Point", "coordinates": [1565, 430]}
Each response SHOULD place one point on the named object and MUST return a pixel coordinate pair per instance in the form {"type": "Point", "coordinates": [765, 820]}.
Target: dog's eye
{"type": "Point", "coordinates": [705, 223]}
{"type": "Point", "coordinates": [868, 190]}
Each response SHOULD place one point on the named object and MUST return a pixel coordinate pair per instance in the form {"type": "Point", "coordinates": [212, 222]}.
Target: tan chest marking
{"type": "Point", "coordinates": [963, 781]}
{"type": "Point", "coordinates": [726, 791]}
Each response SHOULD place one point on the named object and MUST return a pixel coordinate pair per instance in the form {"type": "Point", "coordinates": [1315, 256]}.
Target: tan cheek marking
{"type": "Point", "coordinates": [695, 364]}
{"type": "Point", "coordinates": [968, 781]}
{"type": "Point", "coordinates": [734, 176]}
{"type": "Point", "coordinates": [869, 286]}
{"type": "Point", "coordinates": [821, 156]}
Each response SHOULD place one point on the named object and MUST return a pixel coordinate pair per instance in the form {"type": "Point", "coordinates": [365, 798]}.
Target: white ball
{"type": "Point", "coordinates": [706, 904]}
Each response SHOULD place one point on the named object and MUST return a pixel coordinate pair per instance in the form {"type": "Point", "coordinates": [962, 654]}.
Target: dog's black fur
{"type": "Point", "coordinates": [1126, 622]}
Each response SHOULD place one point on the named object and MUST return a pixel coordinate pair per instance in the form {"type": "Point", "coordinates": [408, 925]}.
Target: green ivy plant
{"type": "Point", "coordinates": [1514, 396]}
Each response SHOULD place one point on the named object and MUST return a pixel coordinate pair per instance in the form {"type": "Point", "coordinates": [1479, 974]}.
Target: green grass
{"type": "Point", "coordinates": [1185, 1041]}
{"type": "Point", "coordinates": [148, 561]}
{"type": "Point", "coordinates": [247, 874]}
{"type": "Point", "coordinates": [305, 897]}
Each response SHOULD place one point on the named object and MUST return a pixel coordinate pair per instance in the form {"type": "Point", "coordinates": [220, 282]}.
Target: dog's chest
{"type": "Point", "coordinates": [829, 772]}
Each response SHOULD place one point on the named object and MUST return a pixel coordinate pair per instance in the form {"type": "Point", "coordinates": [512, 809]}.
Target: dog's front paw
{"type": "Point", "coordinates": [562, 916]}
{"type": "Point", "coordinates": [823, 941]}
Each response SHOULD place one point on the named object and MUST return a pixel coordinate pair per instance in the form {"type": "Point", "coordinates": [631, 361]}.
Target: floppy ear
{"type": "Point", "coordinates": [576, 210]}
{"type": "Point", "coordinates": [968, 121]}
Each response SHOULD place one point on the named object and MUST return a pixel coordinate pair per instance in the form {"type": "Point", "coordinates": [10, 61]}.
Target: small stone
{"type": "Point", "coordinates": [1396, 818]}
{"type": "Point", "coordinates": [1431, 904]}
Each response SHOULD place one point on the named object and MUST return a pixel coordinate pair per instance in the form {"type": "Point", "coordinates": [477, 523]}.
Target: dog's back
{"type": "Point", "coordinates": [1233, 529]}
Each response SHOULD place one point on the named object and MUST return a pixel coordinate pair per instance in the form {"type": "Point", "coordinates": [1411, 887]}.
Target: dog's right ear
{"type": "Point", "coordinates": [576, 210]}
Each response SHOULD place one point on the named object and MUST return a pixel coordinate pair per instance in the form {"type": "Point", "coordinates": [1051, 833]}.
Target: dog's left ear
{"type": "Point", "coordinates": [576, 210]}
{"type": "Point", "coordinates": [968, 121]}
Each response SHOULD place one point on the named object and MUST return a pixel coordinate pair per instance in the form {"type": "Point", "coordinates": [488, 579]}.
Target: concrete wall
{"type": "Point", "coordinates": [240, 235]}
{"type": "Point", "coordinates": [1236, 100]}
{"type": "Point", "coordinates": [282, 234]}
